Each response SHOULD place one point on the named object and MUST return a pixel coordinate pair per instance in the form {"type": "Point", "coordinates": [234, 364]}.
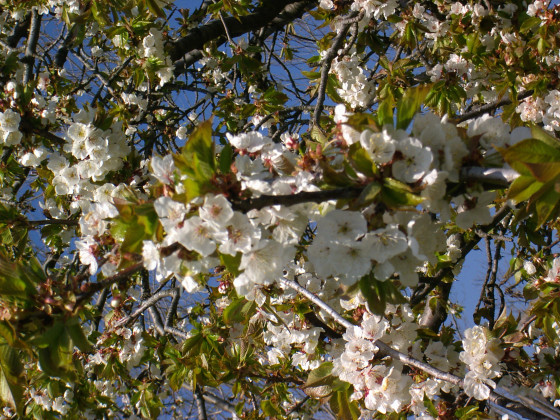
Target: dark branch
{"type": "Point", "coordinates": [293, 199]}
{"type": "Point", "coordinates": [427, 284]}
{"type": "Point", "coordinates": [325, 68]}
{"type": "Point", "coordinates": [19, 32]}
{"type": "Point", "coordinates": [271, 15]}
{"type": "Point", "coordinates": [200, 405]}
{"type": "Point", "coordinates": [484, 109]}
{"type": "Point", "coordinates": [31, 46]}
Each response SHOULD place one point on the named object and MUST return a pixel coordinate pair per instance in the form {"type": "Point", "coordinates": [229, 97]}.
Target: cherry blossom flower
{"type": "Point", "coordinates": [196, 234]}
{"type": "Point", "coordinates": [380, 146]}
{"type": "Point", "coordinates": [415, 163]}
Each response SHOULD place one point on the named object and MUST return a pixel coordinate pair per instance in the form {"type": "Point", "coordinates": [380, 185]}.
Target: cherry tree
{"type": "Point", "coordinates": [259, 209]}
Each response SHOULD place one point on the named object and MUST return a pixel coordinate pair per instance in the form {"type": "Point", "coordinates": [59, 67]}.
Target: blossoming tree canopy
{"type": "Point", "coordinates": [260, 209]}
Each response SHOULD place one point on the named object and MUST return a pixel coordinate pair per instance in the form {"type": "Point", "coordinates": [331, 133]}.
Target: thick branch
{"type": "Point", "coordinates": [493, 176]}
{"type": "Point", "coordinates": [200, 405]}
{"type": "Point", "coordinates": [93, 288]}
{"type": "Point", "coordinates": [499, 177]}
{"type": "Point", "coordinates": [31, 46]}
{"type": "Point", "coordinates": [271, 15]}
{"type": "Point", "coordinates": [293, 199]}
{"type": "Point", "coordinates": [19, 32]}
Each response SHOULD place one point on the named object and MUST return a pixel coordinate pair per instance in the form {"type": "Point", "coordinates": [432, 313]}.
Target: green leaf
{"type": "Point", "coordinates": [530, 23]}
{"type": "Point", "coordinates": [545, 205]}
{"type": "Point", "coordinates": [8, 333]}
{"type": "Point", "coordinates": [410, 104]}
{"type": "Point", "coordinates": [468, 412]}
{"type": "Point", "coordinates": [11, 378]}
{"type": "Point", "coordinates": [238, 311]}
{"type": "Point", "coordinates": [361, 160]}
{"type": "Point", "coordinates": [313, 75]}
{"type": "Point", "coordinates": [379, 293]}
{"type": "Point", "coordinates": [231, 262]}
{"type": "Point", "coordinates": [360, 121]}
{"type": "Point", "coordinates": [320, 375]}
{"type": "Point", "coordinates": [226, 158]}
{"type": "Point", "coordinates": [135, 224]}
{"type": "Point", "coordinates": [19, 280]}
{"type": "Point", "coordinates": [408, 38]}
{"type": "Point", "coordinates": [133, 239]}
{"type": "Point", "coordinates": [396, 194]}
{"type": "Point", "coordinates": [55, 352]}
{"type": "Point", "coordinates": [373, 295]}
{"type": "Point", "coordinates": [270, 409]}
{"type": "Point", "coordinates": [369, 193]}
{"type": "Point", "coordinates": [342, 407]}
{"type": "Point", "coordinates": [154, 8]}
{"type": "Point", "coordinates": [430, 406]}
{"type": "Point", "coordinates": [248, 65]}
{"type": "Point", "coordinates": [332, 88]}
{"type": "Point", "coordinates": [544, 172]}
{"type": "Point", "coordinates": [148, 402]}
{"type": "Point", "coordinates": [531, 151]}
{"type": "Point", "coordinates": [318, 135]}
{"type": "Point", "coordinates": [385, 111]}
{"type": "Point", "coordinates": [522, 188]}
{"type": "Point", "coordinates": [542, 135]}
{"type": "Point", "coordinates": [192, 344]}
{"type": "Point", "coordinates": [77, 335]}
{"type": "Point", "coordinates": [198, 152]}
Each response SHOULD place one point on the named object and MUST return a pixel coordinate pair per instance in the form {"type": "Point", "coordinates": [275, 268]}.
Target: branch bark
{"type": "Point", "coordinates": [271, 15]}
{"type": "Point", "coordinates": [31, 46]}
{"type": "Point", "coordinates": [493, 176]}
{"type": "Point", "coordinates": [484, 109]}
{"type": "Point", "coordinates": [200, 405]}
{"type": "Point", "coordinates": [149, 302]}
{"type": "Point", "coordinates": [326, 66]}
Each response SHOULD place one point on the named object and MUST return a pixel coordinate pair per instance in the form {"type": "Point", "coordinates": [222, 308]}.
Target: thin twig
{"type": "Point", "coordinates": [484, 109]}
{"type": "Point", "coordinates": [152, 300]}
{"type": "Point", "coordinates": [326, 67]}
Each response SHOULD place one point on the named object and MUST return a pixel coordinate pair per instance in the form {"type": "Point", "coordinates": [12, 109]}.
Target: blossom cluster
{"type": "Point", "coordinates": [9, 128]}
{"type": "Point", "coordinates": [383, 388]}
{"type": "Point", "coordinates": [482, 355]}
{"type": "Point", "coordinates": [356, 89]}
{"type": "Point", "coordinates": [542, 110]}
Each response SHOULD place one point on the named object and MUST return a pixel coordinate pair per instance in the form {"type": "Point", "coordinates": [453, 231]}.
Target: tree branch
{"type": "Point", "coordinates": [493, 176]}
{"type": "Point", "coordinates": [326, 66]}
{"type": "Point", "coordinates": [484, 109]}
{"type": "Point", "coordinates": [93, 288]}
{"type": "Point", "coordinates": [428, 284]}
{"type": "Point", "coordinates": [200, 405]}
{"type": "Point", "coordinates": [500, 177]}
{"type": "Point", "coordinates": [149, 302]}
{"type": "Point", "coordinates": [270, 15]}
{"type": "Point", "coordinates": [293, 199]}
{"type": "Point", "coordinates": [32, 40]}
{"type": "Point", "coordinates": [19, 32]}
